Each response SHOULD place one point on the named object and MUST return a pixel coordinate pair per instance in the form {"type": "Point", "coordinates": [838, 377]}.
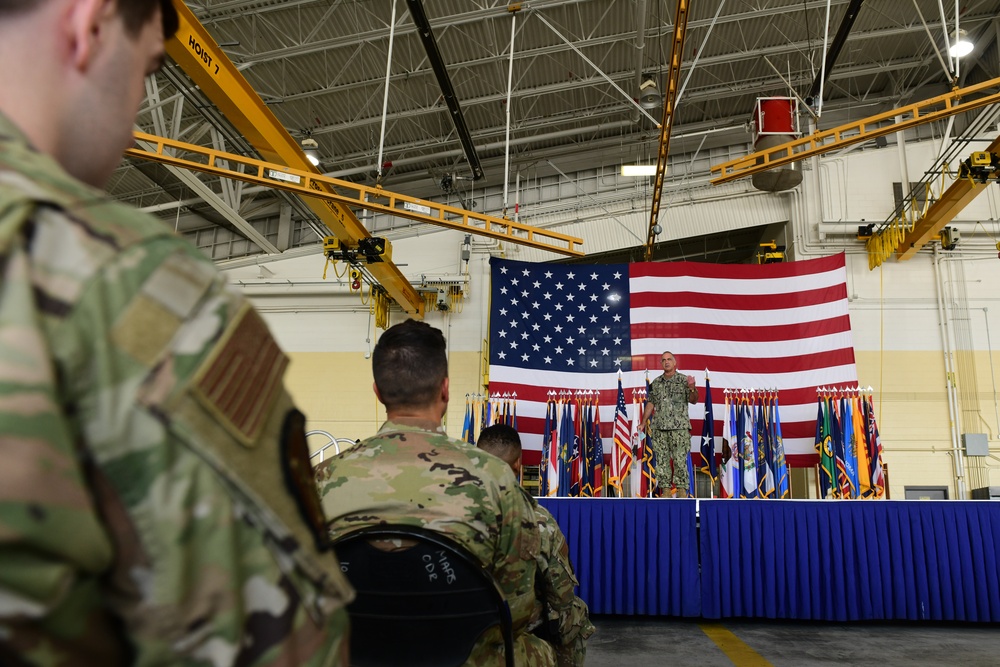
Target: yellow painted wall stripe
{"type": "Point", "coordinates": [734, 647]}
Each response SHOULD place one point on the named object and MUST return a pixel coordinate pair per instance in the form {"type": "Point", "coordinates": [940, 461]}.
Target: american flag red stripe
{"type": "Point", "coordinates": [779, 326]}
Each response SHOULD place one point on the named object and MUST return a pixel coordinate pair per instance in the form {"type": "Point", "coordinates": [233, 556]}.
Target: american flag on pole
{"type": "Point", "coordinates": [621, 455]}
{"type": "Point", "coordinates": [781, 326]}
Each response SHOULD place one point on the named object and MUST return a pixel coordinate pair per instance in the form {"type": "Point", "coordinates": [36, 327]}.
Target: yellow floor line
{"type": "Point", "coordinates": [734, 648]}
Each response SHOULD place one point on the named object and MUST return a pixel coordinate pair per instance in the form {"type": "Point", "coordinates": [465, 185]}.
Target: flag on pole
{"type": "Point", "coordinates": [727, 485]}
{"type": "Point", "coordinates": [596, 450]}
{"type": "Point", "coordinates": [824, 447]}
{"type": "Point", "coordinates": [875, 443]}
{"type": "Point", "coordinates": [765, 478]}
{"type": "Point", "coordinates": [636, 440]}
{"type": "Point", "coordinates": [555, 466]}
{"type": "Point", "coordinates": [585, 421]}
{"type": "Point", "coordinates": [543, 468]}
{"type": "Point", "coordinates": [782, 483]}
{"type": "Point", "coordinates": [690, 471]}
{"type": "Point", "coordinates": [621, 453]}
{"type": "Point", "coordinates": [649, 478]}
{"type": "Point", "coordinates": [850, 447]}
{"type": "Point", "coordinates": [708, 434]}
{"type": "Point", "coordinates": [748, 451]}
{"type": "Point", "coordinates": [468, 432]}
{"type": "Point", "coordinates": [860, 433]}
{"type": "Point", "coordinates": [576, 449]}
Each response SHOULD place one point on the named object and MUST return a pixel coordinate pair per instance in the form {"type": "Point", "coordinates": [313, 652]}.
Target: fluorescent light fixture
{"type": "Point", "coordinates": [638, 170]}
{"type": "Point", "coordinates": [960, 45]}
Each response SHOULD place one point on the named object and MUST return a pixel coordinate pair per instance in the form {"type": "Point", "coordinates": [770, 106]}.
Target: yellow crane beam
{"type": "Point", "coordinates": [818, 143]}
{"type": "Point", "coordinates": [198, 54]}
{"type": "Point", "coordinates": [942, 211]}
{"type": "Point", "coordinates": [309, 184]}
{"type": "Point", "coordinates": [669, 100]}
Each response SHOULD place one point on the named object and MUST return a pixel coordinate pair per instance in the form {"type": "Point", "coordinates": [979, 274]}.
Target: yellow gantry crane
{"type": "Point", "coordinates": [899, 237]}
{"type": "Point", "coordinates": [285, 167]}
{"type": "Point", "coordinates": [866, 129]}
{"type": "Point", "coordinates": [904, 238]}
{"type": "Point", "coordinates": [308, 183]}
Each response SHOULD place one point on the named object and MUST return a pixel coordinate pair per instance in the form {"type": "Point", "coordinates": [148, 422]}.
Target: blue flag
{"type": "Point", "coordinates": [708, 435]}
{"type": "Point", "coordinates": [566, 437]}
{"type": "Point", "coordinates": [468, 433]}
{"type": "Point", "coordinates": [782, 487]}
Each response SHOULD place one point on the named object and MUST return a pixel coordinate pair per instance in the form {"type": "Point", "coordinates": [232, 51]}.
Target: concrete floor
{"type": "Point", "coordinates": [623, 641]}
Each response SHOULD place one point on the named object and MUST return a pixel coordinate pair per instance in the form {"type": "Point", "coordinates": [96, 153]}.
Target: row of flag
{"type": "Point", "coordinates": [848, 443]}
{"type": "Point", "coordinates": [752, 462]}
{"type": "Point", "coordinates": [485, 410]}
{"type": "Point", "coordinates": [572, 449]}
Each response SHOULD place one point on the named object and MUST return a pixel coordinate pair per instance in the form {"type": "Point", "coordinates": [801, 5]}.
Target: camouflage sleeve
{"type": "Point", "coordinates": [569, 620]}
{"type": "Point", "coordinates": [516, 567]}
{"type": "Point", "coordinates": [194, 457]}
{"type": "Point", "coordinates": [53, 547]}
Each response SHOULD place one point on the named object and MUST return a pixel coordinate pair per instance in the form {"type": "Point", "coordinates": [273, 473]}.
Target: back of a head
{"type": "Point", "coordinates": [410, 363]}
{"type": "Point", "coordinates": [501, 441]}
{"type": "Point", "coordinates": [135, 13]}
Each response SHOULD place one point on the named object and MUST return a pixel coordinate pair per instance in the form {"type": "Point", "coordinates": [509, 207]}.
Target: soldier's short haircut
{"type": "Point", "coordinates": [502, 441]}
{"type": "Point", "coordinates": [135, 13]}
{"type": "Point", "coordinates": [409, 363]}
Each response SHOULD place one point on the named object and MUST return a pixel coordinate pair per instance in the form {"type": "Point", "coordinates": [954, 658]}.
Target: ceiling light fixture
{"type": "Point", "coordinates": [960, 45]}
{"type": "Point", "coordinates": [649, 96]}
{"type": "Point", "coordinates": [311, 149]}
{"type": "Point", "coordinates": [638, 170]}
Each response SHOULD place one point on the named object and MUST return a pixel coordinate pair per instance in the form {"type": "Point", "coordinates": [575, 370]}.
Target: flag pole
{"type": "Point", "coordinates": [711, 484]}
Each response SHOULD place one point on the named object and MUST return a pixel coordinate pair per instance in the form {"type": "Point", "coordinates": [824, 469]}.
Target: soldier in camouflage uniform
{"type": "Point", "coordinates": [145, 433]}
{"type": "Point", "coordinates": [412, 473]}
{"type": "Point", "coordinates": [563, 617]}
{"type": "Point", "coordinates": [669, 396]}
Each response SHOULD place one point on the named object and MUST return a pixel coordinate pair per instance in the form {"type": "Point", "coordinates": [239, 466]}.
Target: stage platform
{"type": "Point", "coordinates": [788, 559]}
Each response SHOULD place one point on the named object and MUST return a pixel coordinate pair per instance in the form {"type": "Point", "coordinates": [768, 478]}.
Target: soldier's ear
{"type": "Point", "coordinates": [377, 394]}
{"type": "Point", "coordinates": [444, 390]}
{"type": "Point", "coordinates": [83, 27]}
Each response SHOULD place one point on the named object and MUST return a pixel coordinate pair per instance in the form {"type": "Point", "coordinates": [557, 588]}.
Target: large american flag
{"type": "Point", "coordinates": [778, 326]}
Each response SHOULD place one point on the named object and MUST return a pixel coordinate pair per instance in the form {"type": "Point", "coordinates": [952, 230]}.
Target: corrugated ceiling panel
{"type": "Point", "coordinates": [700, 212]}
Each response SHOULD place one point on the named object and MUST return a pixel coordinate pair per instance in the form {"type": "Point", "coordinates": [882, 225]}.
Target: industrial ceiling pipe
{"type": "Point", "coordinates": [416, 8]}
{"type": "Point", "coordinates": [835, 47]}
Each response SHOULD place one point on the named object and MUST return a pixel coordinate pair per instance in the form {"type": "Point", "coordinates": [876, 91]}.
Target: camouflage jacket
{"type": "Point", "coordinates": [145, 435]}
{"type": "Point", "coordinates": [566, 614]}
{"type": "Point", "coordinates": [412, 473]}
{"type": "Point", "coordinates": [669, 396]}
